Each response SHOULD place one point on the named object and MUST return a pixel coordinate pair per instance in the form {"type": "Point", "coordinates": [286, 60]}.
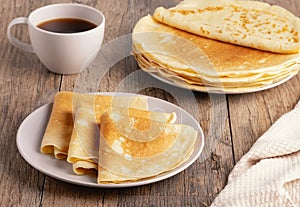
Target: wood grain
{"type": "Point", "coordinates": [25, 84]}
{"type": "Point", "coordinates": [231, 123]}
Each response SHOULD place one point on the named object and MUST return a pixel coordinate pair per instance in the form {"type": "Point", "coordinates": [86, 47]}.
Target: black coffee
{"type": "Point", "coordinates": [66, 25]}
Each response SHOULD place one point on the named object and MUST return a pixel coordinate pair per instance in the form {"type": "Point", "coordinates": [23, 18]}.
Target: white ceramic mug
{"type": "Point", "coordinates": [63, 53]}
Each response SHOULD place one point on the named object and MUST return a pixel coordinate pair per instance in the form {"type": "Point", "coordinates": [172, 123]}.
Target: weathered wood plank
{"type": "Point", "coordinates": [25, 84]}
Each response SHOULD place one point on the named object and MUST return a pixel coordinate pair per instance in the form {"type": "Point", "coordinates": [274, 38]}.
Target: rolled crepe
{"type": "Point", "coordinates": [60, 126]}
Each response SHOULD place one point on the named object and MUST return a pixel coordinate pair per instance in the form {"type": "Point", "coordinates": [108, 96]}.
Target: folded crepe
{"type": "Point", "coordinates": [59, 130]}
{"type": "Point", "coordinates": [83, 149]}
{"type": "Point", "coordinates": [60, 126]}
{"type": "Point", "coordinates": [248, 23]}
{"type": "Point", "coordinates": [123, 157]}
{"type": "Point", "coordinates": [84, 144]}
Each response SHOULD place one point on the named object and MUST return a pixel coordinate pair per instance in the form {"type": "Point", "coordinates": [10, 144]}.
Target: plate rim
{"type": "Point", "coordinates": [146, 181]}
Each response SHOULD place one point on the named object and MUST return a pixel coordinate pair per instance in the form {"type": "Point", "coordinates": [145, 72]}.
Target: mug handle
{"type": "Point", "coordinates": [14, 41]}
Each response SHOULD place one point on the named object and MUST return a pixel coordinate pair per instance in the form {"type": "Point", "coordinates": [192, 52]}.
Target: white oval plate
{"type": "Point", "coordinates": [31, 131]}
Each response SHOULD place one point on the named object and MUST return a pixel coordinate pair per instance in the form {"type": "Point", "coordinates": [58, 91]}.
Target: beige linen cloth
{"type": "Point", "coordinates": [269, 174]}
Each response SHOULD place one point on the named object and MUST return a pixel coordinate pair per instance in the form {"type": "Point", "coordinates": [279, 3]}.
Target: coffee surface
{"type": "Point", "coordinates": [66, 25]}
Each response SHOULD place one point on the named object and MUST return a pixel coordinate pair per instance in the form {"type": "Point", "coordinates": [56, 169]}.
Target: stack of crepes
{"type": "Point", "coordinates": [116, 137]}
{"type": "Point", "coordinates": [220, 45]}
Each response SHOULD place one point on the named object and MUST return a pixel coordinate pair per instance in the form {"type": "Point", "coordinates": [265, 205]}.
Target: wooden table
{"type": "Point", "coordinates": [234, 121]}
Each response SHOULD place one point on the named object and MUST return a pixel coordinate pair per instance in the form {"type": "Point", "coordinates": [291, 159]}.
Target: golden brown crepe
{"type": "Point", "coordinates": [60, 126]}
{"type": "Point", "coordinates": [122, 158]}
{"type": "Point", "coordinates": [83, 148]}
{"type": "Point", "coordinates": [248, 23]}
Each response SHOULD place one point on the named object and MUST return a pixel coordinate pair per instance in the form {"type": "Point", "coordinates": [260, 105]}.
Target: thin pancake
{"type": "Point", "coordinates": [83, 149]}
{"type": "Point", "coordinates": [105, 176]}
{"type": "Point", "coordinates": [133, 159]}
{"type": "Point", "coordinates": [60, 126]}
{"type": "Point", "coordinates": [248, 23]}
